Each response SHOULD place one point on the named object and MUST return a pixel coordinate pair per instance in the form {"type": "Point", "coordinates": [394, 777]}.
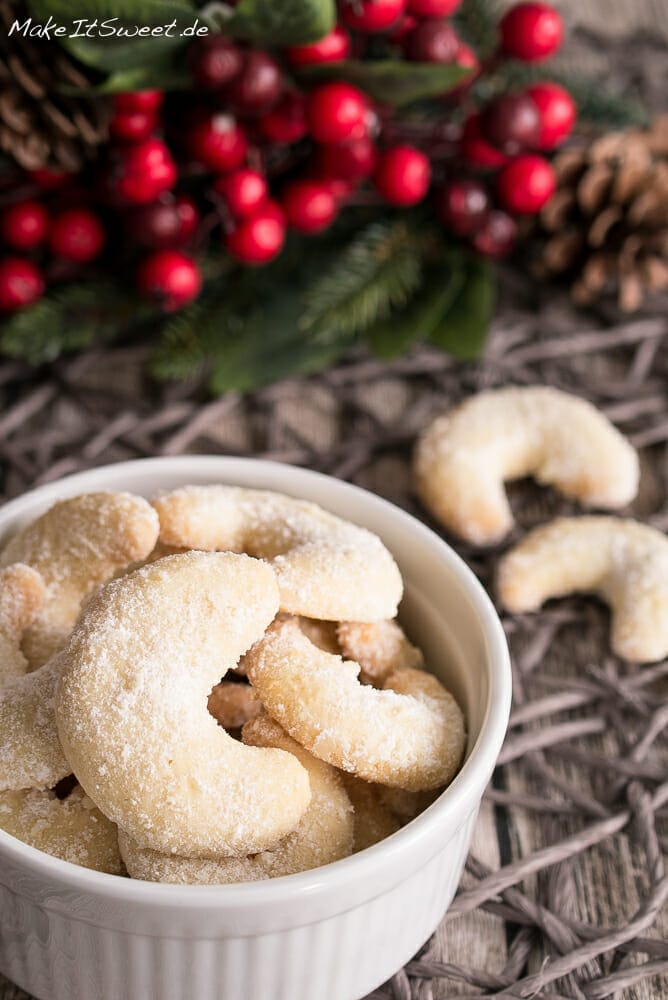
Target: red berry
{"type": "Point", "coordinates": [146, 169]}
{"type": "Point", "coordinates": [77, 234]}
{"type": "Point", "coordinates": [338, 187]}
{"type": "Point", "coordinates": [333, 47]}
{"type": "Point", "coordinates": [165, 223]}
{"type": "Point", "coordinates": [132, 126]}
{"type": "Point", "coordinates": [531, 31]}
{"type": "Point", "coordinates": [214, 62]}
{"type": "Point", "coordinates": [188, 217]}
{"type": "Point", "coordinates": [139, 100]}
{"type": "Point", "coordinates": [218, 142]}
{"type": "Point", "coordinates": [21, 283]}
{"type": "Point", "coordinates": [511, 123]}
{"type": "Point", "coordinates": [525, 184]}
{"type": "Point", "coordinates": [259, 85]}
{"type": "Point", "coordinates": [371, 16]}
{"type": "Point", "coordinates": [309, 206]}
{"type": "Point", "coordinates": [48, 179]}
{"type": "Point", "coordinates": [476, 150]}
{"type": "Point", "coordinates": [337, 112]}
{"type": "Point", "coordinates": [433, 8]}
{"type": "Point", "coordinates": [433, 41]}
{"type": "Point", "coordinates": [400, 32]}
{"type": "Point", "coordinates": [260, 238]}
{"type": "Point", "coordinates": [557, 112]}
{"type": "Point", "coordinates": [403, 175]}
{"type": "Point", "coordinates": [24, 225]}
{"type": "Point", "coordinates": [467, 58]}
{"type": "Point", "coordinates": [352, 161]}
{"type": "Point", "coordinates": [462, 206]}
{"type": "Point", "coordinates": [170, 277]}
{"type": "Point", "coordinates": [286, 123]}
{"type": "Point", "coordinates": [496, 236]}
{"type": "Point", "coordinates": [244, 192]}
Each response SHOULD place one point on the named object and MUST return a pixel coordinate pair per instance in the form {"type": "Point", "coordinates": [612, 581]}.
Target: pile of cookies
{"type": "Point", "coordinates": [462, 461]}
{"type": "Point", "coordinates": [124, 751]}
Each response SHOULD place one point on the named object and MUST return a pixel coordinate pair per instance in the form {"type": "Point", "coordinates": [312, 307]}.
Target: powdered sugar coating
{"type": "Point", "coordinates": [326, 567]}
{"type": "Point", "coordinates": [324, 833]}
{"type": "Point", "coordinates": [463, 458]}
{"type": "Point", "coordinates": [21, 593]}
{"type": "Point", "coordinates": [30, 753]}
{"type": "Point", "coordinates": [132, 714]}
{"type": "Point", "coordinates": [78, 544]}
{"type": "Point", "coordinates": [410, 735]}
{"type": "Point", "coordinates": [71, 829]}
{"type": "Point", "coordinates": [621, 560]}
{"type": "Point", "coordinates": [380, 648]}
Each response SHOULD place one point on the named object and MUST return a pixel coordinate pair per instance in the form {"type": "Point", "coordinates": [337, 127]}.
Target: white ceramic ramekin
{"type": "Point", "coordinates": [332, 934]}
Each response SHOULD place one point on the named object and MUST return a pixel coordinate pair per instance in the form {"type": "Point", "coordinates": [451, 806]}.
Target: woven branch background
{"type": "Point", "coordinates": [564, 894]}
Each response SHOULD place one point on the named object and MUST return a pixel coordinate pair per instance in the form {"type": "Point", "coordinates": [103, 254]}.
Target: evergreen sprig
{"type": "Point", "coordinates": [379, 270]}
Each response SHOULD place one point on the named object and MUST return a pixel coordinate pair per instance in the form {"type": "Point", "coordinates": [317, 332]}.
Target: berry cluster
{"type": "Point", "coordinates": [256, 152]}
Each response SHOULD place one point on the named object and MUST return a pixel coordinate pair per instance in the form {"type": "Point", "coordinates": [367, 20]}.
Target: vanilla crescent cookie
{"type": "Point", "coordinates": [411, 734]}
{"type": "Point", "coordinates": [324, 833]}
{"type": "Point", "coordinates": [71, 829]}
{"type": "Point", "coordinates": [21, 593]}
{"type": "Point", "coordinates": [132, 708]}
{"type": "Point", "coordinates": [75, 546]}
{"type": "Point", "coordinates": [380, 648]}
{"type": "Point", "coordinates": [464, 457]}
{"type": "Point", "coordinates": [373, 821]}
{"type": "Point", "coordinates": [30, 752]}
{"type": "Point", "coordinates": [326, 568]}
{"type": "Point", "coordinates": [624, 562]}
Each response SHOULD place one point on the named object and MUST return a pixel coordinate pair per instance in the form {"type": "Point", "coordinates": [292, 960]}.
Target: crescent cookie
{"type": "Point", "coordinates": [326, 568]}
{"type": "Point", "coordinates": [624, 562]}
{"type": "Point", "coordinates": [71, 828]}
{"type": "Point", "coordinates": [323, 835]}
{"type": "Point", "coordinates": [411, 734]}
{"type": "Point", "coordinates": [30, 753]}
{"type": "Point", "coordinates": [380, 648]}
{"type": "Point", "coordinates": [132, 709]}
{"type": "Point", "coordinates": [464, 457]}
{"type": "Point", "coordinates": [373, 821]}
{"type": "Point", "coordinates": [75, 546]}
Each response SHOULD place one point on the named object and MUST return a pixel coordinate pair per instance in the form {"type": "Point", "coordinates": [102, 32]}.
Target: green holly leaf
{"type": "Point", "coordinates": [119, 35]}
{"type": "Point", "coordinates": [391, 81]}
{"type": "Point", "coordinates": [396, 334]}
{"type": "Point", "coordinates": [463, 327]}
{"type": "Point", "coordinates": [169, 74]}
{"type": "Point", "coordinates": [290, 22]}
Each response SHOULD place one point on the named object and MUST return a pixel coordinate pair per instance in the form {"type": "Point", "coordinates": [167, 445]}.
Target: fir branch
{"type": "Point", "coordinates": [378, 271]}
{"type": "Point", "coordinates": [69, 318]}
{"type": "Point", "coordinates": [478, 23]}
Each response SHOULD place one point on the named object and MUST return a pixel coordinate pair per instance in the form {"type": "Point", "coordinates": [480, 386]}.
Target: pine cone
{"type": "Point", "coordinates": [39, 124]}
{"type": "Point", "coordinates": [606, 227]}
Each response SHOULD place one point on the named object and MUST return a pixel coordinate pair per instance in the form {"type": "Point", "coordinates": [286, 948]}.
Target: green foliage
{"type": "Point", "coordinates": [462, 328]}
{"type": "Point", "coordinates": [394, 335]}
{"type": "Point", "coordinates": [377, 271]}
{"type": "Point", "coordinates": [290, 22]}
{"type": "Point", "coordinates": [391, 81]}
{"type": "Point", "coordinates": [389, 283]}
{"type": "Point", "coordinates": [70, 318]}
{"type": "Point", "coordinates": [477, 22]}
{"type": "Point", "coordinates": [110, 53]}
